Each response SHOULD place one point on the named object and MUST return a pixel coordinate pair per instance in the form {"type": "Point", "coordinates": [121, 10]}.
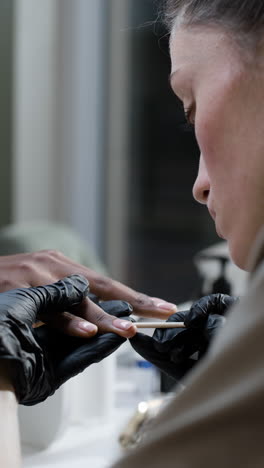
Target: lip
{"type": "Point", "coordinates": [219, 233]}
{"type": "Point", "coordinates": [212, 213]}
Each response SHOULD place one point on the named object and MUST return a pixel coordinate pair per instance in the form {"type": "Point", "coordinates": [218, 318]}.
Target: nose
{"type": "Point", "coordinates": [201, 188]}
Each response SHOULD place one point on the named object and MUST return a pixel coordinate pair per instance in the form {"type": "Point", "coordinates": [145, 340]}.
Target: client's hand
{"type": "Point", "coordinates": [42, 359]}
{"type": "Point", "coordinates": [171, 349]}
{"type": "Point", "coordinates": [48, 266]}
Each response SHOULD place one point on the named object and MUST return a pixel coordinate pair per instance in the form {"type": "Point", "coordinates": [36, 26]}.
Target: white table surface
{"type": "Point", "coordinates": [92, 444]}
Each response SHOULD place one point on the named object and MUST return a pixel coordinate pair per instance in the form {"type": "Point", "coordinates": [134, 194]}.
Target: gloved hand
{"type": "Point", "coordinates": [208, 305]}
{"type": "Point", "coordinates": [42, 359]}
{"type": "Point", "coordinates": [171, 349]}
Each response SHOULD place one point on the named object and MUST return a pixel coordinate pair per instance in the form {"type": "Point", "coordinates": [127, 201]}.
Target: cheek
{"type": "Point", "coordinates": [215, 125]}
{"type": "Point", "coordinates": [209, 123]}
{"type": "Point", "coordinates": [215, 140]}
{"type": "Point", "coordinates": [207, 134]}
{"type": "Point", "coordinates": [218, 116]}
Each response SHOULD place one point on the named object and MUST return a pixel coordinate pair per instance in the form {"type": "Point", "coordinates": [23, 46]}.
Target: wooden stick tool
{"type": "Point", "coordinates": [159, 324]}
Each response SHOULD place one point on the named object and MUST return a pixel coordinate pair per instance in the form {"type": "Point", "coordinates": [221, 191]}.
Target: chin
{"type": "Point", "coordinates": [245, 251]}
{"type": "Point", "coordinates": [238, 256]}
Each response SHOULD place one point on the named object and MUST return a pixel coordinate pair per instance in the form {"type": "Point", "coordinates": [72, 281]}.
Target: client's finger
{"type": "Point", "coordinates": [107, 288]}
{"type": "Point", "coordinates": [70, 324]}
{"type": "Point", "coordinates": [105, 322]}
{"type": "Point", "coordinates": [87, 319]}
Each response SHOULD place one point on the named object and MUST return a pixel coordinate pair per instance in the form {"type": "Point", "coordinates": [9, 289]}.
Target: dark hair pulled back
{"type": "Point", "coordinates": [241, 17]}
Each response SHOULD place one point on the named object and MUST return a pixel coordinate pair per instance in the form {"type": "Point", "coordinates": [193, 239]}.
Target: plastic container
{"type": "Point", "coordinates": [147, 380]}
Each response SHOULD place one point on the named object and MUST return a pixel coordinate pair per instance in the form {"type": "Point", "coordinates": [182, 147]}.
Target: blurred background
{"type": "Point", "coordinates": [92, 137]}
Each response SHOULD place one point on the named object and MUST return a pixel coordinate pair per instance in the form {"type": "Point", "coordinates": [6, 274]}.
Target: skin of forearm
{"type": "Point", "coordinates": [10, 455]}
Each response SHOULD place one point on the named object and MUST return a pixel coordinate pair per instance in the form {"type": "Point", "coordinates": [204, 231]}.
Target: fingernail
{"type": "Point", "coordinates": [122, 324]}
{"type": "Point", "coordinates": [165, 305]}
{"type": "Point", "coordinates": [88, 327]}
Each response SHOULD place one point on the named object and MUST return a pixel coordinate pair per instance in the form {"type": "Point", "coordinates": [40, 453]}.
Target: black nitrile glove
{"type": "Point", "coordinates": [74, 354]}
{"type": "Point", "coordinates": [42, 359]}
{"type": "Point", "coordinates": [116, 308]}
{"type": "Point", "coordinates": [208, 305]}
{"type": "Point", "coordinates": [171, 349]}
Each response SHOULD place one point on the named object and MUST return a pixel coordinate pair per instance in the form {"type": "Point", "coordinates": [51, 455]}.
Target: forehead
{"type": "Point", "coordinates": [198, 45]}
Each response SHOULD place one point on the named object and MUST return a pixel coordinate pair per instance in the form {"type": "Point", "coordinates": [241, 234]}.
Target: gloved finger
{"type": "Point", "coordinates": [97, 349]}
{"type": "Point", "coordinates": [214, 324]}
{"type": "Point", "coordinates": [30, 303]}
{"type": "Point", "coordinates": [181, 346]}
{"type": "Point", "coordinates": [71, 327]}
{"type": "Point", "coordinates": [48, 338]}
{"type": "Point", "coordinates": [74, 355]}
{"type": "Point", "coordinates": [164, 336]}
{"type": "Point", "coordinates": [146, 347]}
{"type": "Point", "coordinates": [207, 305]}
{"type": "Point", "coordinates": [180, 343]}
{"type": "Point", "coordinates": [116, 308]}
{"type": "Point", "coordinates": [94, 298]}
{"type": "Point", "coordinates": [60, 296]}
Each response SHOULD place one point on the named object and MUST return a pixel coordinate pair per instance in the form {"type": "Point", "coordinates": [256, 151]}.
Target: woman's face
{"type": "Point", "coordinates": [224, 97]}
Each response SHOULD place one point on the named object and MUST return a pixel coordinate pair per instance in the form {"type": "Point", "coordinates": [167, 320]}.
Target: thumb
{"type": "Point", "coordinates": [60, 296]}
{"type": "Point", "coordinates": [79, 354]}
{"type": "Point", "coordinates": [144, 345]}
